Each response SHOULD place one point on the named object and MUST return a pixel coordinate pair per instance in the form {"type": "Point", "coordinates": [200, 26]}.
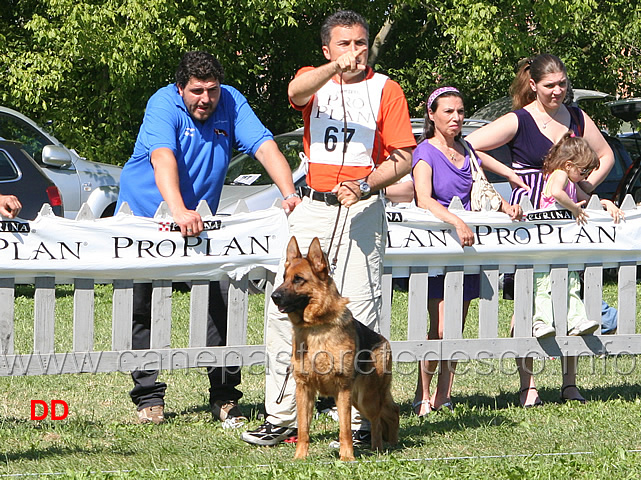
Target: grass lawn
{"type": "Point", "coordinates": [487, 436]}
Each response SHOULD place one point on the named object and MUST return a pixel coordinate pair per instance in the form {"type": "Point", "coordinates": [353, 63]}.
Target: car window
{"type": "Point", "coordinates": [245, 170]}
{"type": "Point", "coordinates": [12, 128]}
{"type": "Point", "coordinates": [621, 160]}
{"type": "Point", "coordinates": [8, 170]}
{"type": "Point", "coordinates": [632, 143]}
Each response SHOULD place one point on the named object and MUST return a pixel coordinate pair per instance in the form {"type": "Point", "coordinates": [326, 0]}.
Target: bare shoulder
{"type": "Point", "coordinates": [495, 134]}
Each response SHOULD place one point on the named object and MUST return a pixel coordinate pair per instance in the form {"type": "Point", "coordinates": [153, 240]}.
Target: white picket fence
{"type": "Point", "coordinates": [83, 357]}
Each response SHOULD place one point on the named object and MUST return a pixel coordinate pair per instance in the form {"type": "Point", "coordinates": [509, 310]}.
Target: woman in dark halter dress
{"type": "Point", "coordinates": [539, 120]}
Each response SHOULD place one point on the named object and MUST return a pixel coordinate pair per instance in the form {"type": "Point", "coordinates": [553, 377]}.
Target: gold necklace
{"type": "Point", "coordinates": [447, 150]}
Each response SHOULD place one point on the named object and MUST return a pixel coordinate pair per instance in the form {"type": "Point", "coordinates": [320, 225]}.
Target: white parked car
{"type": "Point", "coordinates": [78, 179]}
{"type": "Point", "coordinates": [248, 181]}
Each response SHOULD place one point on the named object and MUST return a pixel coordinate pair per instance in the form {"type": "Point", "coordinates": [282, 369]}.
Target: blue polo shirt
{"type": "Point", "coordinates": [202, 150]}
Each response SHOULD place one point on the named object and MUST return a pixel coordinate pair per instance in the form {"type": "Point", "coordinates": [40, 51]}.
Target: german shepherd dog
{"type": "Point", "coordinates": [333, 354]}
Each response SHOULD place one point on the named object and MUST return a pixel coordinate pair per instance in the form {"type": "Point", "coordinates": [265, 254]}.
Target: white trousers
{"type": "Point", "coordinates": [543, 310]}
{"type": "Point", "coordinates": [358, 277]}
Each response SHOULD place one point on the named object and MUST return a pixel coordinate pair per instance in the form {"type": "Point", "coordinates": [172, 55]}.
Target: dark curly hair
{"type": "Point", "coordinates": [342, 18]}
{"type": "Point", "coordinates": [201, 65]}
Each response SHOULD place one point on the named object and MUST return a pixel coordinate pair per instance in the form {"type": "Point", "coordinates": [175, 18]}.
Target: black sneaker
{"type": "Point", "coordinates": [269, 435]}
{"type": "Point", "coordinates": [323, 404]}
{"type": "Point", "coordinates": [360, 439]}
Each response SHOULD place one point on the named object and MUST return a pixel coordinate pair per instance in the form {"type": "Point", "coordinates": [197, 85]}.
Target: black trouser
{"type": "Point", "coordinates": [223, 381]}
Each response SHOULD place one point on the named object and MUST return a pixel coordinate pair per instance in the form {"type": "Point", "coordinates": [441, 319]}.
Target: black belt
{"type": "Point", "coordinates": [329, 198]}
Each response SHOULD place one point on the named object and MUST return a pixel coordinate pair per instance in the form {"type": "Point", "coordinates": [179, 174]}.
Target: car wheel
{"type": "Point", "coordinates": [109, 211]}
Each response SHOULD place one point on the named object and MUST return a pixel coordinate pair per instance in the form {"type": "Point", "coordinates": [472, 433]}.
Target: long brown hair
{"type": "Point", "coordinates": [570, 149]}
{"type": "Point", "coordinates": [534, 68]}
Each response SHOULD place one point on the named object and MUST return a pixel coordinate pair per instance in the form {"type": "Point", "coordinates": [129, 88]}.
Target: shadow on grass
{"type": "Point", "coordinates": [253, 411]}
{"type": "Point", "coordinates": [54, 433]}
{"type": "Point", "coordinates": [625, 392]}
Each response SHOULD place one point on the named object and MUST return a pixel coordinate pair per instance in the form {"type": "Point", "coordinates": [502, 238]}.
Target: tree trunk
{"type": "Point", "coordinates": [379, 41]}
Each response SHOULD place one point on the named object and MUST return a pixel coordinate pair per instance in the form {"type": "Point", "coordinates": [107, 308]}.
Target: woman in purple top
{"type": "Point", "coordinates": [441, 171]}
{"type": "Point", "coordinates": [539, 120]}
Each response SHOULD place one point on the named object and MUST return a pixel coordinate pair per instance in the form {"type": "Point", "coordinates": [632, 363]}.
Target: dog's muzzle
{"type": "Point", "coordinates": [288, 302]}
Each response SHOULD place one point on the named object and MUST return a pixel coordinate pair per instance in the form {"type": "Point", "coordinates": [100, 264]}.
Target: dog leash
{"type": "Point", "coordinates": [281, 395]}
{"type": "Point", "coordinates": [334, 262]}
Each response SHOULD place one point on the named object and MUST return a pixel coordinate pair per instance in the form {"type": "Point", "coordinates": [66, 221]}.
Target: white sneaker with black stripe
{"type": "Point", "coordinates": [269, 435]}
{"type": "Point", "coordinates": [360, 439]}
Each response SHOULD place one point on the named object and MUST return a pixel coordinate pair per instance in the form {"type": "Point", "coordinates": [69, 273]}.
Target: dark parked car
{"type": "Point", "coordinates": [629, 110]}
{"type": "Point", "coordinates": [21, 176]}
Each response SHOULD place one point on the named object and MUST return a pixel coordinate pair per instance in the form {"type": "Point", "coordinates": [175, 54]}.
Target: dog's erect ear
{"type": "Point", "coordinates": [317, 259]}
{"type": "Point", "coordinates": [292, 250]}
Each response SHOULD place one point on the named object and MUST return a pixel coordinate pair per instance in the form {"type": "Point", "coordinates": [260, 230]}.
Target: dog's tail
{"type": "Point", "coordinates": [390, 418]}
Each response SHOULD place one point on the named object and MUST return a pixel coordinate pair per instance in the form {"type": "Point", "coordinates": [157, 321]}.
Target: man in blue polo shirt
{"type": "Point", "coordinates": [181, 156]}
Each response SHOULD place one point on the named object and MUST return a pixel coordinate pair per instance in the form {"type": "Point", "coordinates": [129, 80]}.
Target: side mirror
{"type": "Point", "coordinates": [56, 156]}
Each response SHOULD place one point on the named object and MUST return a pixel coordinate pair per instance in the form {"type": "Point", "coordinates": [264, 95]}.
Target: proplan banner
{"type": "Point", "coordinates": [138, 248]}
{"type": "Point", "coordinates": [545, 237]}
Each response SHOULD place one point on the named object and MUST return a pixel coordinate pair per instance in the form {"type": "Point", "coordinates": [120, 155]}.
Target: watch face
{"type": "Point", "coordinates": [365, 188]}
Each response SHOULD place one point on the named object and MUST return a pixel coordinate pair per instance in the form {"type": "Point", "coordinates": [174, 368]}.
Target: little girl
{"type": "Point", "coordinates": [567, 163]}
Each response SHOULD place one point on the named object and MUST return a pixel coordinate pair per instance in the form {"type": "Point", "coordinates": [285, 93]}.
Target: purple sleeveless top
{"type": "Point", "coordinates": [447, 180]}
{"type": "Point", "coordinates": [529, 147]}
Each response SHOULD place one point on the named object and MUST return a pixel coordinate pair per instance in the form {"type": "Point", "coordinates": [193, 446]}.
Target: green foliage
{"type": "Point", "coordinates": [90, 65]}
{"type": "Point", "coordinates": [476, 45]}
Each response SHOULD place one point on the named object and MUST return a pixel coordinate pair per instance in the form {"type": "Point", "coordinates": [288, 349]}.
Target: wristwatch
{"type": "Point", "coordinates": [365, 189]}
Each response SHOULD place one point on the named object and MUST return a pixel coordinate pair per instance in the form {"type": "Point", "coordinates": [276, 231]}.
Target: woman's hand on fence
{"type": "Point", "coordinates": [515, 212]}
{"type": "Point", "coordinates": [465, 235]}
{"type": "Point", "coordinates": [615, 212]}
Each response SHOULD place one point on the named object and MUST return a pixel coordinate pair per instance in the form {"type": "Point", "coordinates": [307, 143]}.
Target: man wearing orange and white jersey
{"type": "Point", "coordinates": [358, 139]}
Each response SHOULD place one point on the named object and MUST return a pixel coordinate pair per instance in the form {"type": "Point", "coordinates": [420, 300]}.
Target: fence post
{"type": "Point", "coordinates": [523, 290]}
{"type": "Point", "coordinates": [198, 313]}
{"type": "Point", "coordinates": [627, 298]}
{"type": "Point", "coordinates": [122, 314]}
{"type": "Point", "coordinates": [83, 314]}
{"type": "Point", "coordinates": [489, 302]}
{"type": "Point", "coordinates": [417, 303]}
{"type": "Point", "coordinates": [160, 314]}
{"type": "Point", "coordinates": [44, 315]}
{"type": "Point", "coordinates": [7, 299]}
{"type": "Point", "coordinates": [386, 307]}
